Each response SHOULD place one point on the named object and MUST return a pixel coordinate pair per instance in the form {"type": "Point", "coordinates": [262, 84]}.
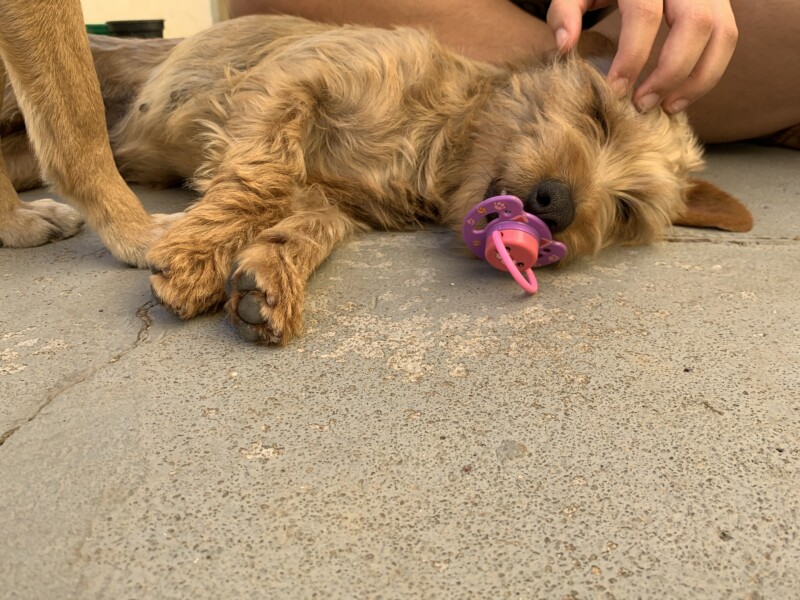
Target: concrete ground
{"type": "Point", "coordinates": [631, 432]}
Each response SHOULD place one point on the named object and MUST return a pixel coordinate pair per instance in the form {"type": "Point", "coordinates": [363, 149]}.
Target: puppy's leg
{"type": "Point", "coordinates": [27, 224]}
{"type": "Point", "coordinates": [192, 259]}
{"type": "Point", "coordinates": [266, 288]}
{"type": "Point", "coordinates": [45, 49]}
{"type": "Point", "coordinates": [253, 182]}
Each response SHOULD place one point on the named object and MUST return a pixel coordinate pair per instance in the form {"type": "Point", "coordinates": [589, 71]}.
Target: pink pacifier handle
{"type": "Point", "coordinates": [530, 284]}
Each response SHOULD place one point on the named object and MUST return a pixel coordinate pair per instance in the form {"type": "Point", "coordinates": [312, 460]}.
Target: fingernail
{"type": "Point", "coordinates": [648, 102]}
{"type": "Point", "coordinates": [678, 106]}
{"type": "Point", "coordinates": [561, 38]}
{"type": "Point", "coordinates": [619, 86]}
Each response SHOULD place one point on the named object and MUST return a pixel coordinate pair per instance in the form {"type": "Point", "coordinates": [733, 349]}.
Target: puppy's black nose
{"type": "Point", "coordinates": [551, 201]}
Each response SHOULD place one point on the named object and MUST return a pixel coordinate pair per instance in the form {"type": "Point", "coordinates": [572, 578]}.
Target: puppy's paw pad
{"type": "Point", "coordinates": [257, 315]}
{"type": "Point", "coordinates": [249, 308]}
{"type": "Point", "coordinates": [39, 222]}
{"type": "Point", "coordinates": [257, 333]}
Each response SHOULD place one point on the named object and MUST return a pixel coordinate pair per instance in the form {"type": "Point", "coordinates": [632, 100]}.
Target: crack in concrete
{"type": "Point", "coordinates": [80, 378]}
{"type": "Point", "coordinates": [753, 241]}
{"type": "Point", "coordinates": [143, 313]}
{"type": "Point", "coordinates": [707, 404]}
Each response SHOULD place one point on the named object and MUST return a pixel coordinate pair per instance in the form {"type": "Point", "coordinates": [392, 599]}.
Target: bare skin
{"type": "Point", "coordinates": [462, 25]}
{"type": "Point", "coordinates": [758, 95]}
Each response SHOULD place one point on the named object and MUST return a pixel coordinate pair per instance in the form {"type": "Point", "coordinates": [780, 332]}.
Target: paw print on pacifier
{"type": "Point", "coordinates": [499, 231]}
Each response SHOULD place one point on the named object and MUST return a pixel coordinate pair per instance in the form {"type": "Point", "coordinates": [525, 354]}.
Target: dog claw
{"type": "Point", "coordinates": [164, 272]}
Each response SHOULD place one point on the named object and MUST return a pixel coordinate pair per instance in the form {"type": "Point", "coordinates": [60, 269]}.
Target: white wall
{"type": "Point", "coordinates": [181, 17]}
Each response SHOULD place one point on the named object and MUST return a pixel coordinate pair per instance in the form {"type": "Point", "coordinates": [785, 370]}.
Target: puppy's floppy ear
{"type": "Point", "coordinates": [709, 206]}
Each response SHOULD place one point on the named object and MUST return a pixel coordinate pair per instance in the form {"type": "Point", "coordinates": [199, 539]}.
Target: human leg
{"type": "Point", "coordinates": [490, 30]}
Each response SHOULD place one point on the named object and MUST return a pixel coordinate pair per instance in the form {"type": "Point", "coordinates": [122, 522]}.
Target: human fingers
{"type": "Point", "coordinates": [690, 23]}
{"type": "Point", "coordinates": [565, 18]}
{"type": "Point", "coordinates": [710, 66]}
{"type": "Point", "coordinates": [641, 20]}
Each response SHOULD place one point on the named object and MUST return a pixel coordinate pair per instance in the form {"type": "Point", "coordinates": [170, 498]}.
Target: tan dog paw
{"type": "Point", "coordinates": [187, 280]}
{"type": "Point", "coordinates": [39, 222]}
{"type": "Point", "coordinates": [265, 300]}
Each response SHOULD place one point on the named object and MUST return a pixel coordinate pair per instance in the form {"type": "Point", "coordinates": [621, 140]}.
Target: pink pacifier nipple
{"type": "Point", "coordinates": [502, 233]}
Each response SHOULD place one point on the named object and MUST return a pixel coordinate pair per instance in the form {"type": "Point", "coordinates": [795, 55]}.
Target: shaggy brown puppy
{"type": "Point", "coordinates": [300, 134]}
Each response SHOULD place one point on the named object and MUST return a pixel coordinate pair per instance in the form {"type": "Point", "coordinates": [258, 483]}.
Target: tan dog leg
{"type": "Point", "coordinates": [22, 167]}
{"type": "Point", "coordinates": [266, 289]}
{"type": "Point", "coordinates": [46, 52]}
{"type": "Point", "coordinates": [27, 224]}
{"type": "Point", "coordinates": [255, 189]}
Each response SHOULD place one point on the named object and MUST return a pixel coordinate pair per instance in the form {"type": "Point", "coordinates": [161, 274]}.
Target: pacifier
{"type": "Point", "coordinates": [499, 231]}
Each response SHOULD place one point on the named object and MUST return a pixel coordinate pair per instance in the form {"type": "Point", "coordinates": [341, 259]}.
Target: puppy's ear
{"type": "Point", "coordinates": [709, 206]}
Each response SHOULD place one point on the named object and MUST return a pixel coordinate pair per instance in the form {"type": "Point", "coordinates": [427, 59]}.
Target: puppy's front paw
{"type": "Point", "coordinates": [39, 222]}
{"type": "Point", "coordinates": [265, 299]}
{"type": "Point", "coordinates": [187, 277]}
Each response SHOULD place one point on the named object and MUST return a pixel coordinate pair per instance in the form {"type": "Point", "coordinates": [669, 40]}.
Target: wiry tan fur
{"type": "Point", "coordinates": [300, 134]}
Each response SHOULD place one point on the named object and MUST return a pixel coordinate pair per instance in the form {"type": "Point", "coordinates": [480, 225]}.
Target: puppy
{"type": "Point", "coordinates": [299, 134]}
{"type": "Point", "coordinates": [44, 51]}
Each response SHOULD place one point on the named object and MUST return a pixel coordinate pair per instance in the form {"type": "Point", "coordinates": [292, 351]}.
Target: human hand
{"type": "Point", "coordinates": [702, 36]}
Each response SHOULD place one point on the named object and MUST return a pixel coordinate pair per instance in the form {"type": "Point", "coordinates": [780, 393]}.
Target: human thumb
{"type": "Point", "coordinates": [565, 18]}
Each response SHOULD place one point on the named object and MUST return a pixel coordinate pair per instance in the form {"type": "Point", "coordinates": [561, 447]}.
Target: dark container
{"type": "Point", "coordinates": [136, 29]}
{"type": "Point", "coordinates": [97, 28]}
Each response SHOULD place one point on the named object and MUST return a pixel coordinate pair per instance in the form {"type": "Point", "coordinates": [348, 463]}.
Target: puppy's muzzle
{"type": "Point", "coordinates": [551, 201]}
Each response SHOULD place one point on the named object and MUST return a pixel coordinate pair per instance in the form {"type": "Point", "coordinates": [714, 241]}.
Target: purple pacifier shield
{"type": "Point", "coordinates": [510, 210]}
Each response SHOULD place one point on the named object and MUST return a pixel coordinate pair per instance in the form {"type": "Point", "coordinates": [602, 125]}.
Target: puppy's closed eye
{"type": "Point", "coordinates": [625, 209]}
{"type": "Point", "coordinates": [600, 116]}
{"type": "Point", "coordinates": [598, 113]}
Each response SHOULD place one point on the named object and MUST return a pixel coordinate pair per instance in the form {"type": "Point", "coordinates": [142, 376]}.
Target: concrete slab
{"type": "Point", "coordinates": [766, 180]}
{"type": "Point", "coordinates": [630, 432]}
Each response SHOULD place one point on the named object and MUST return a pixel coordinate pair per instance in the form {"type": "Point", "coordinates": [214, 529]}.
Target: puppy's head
{"type": "Point", "coordinates": [597, 171]}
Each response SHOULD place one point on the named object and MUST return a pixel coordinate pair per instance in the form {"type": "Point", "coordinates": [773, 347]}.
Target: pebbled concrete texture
{"type": "Point", "coordinates": [632, 431]}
